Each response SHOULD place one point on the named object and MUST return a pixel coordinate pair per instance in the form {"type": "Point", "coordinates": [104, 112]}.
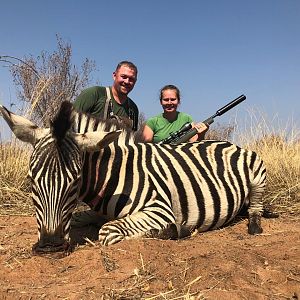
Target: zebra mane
{"type": "Point", "coordinates": [62, 121]}
{"type": "Point", "coordinates": [68, 118]}
{"type": "Point", "coordinates": [85, 122]}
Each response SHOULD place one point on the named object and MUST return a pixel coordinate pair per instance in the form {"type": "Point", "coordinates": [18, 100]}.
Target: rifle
{"type": "Point", "coordinates": [187, 131]}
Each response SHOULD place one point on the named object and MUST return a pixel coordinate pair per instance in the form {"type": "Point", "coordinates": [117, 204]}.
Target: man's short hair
{"type": "Point", "coordinates": [128, 64]}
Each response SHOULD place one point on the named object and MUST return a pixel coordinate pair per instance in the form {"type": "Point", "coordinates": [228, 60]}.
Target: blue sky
{"type": "Point", "coordinates": [212, 50]}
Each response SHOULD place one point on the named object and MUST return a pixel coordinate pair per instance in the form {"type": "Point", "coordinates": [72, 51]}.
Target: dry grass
{"type": "Point", "coordinates": [279, 146]}
{"type": "Point", "coordinates": [138, 285]}
{"type": "Point", "coordinates": [14, 186]}
{"type": "Point", "coordinates": [283, 166]}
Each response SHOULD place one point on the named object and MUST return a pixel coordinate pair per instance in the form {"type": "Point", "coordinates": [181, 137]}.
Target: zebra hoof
{"type": "Point", "coordinates": [254, 229]}
{"type": "Point", "coordinates": [168, 233]}
{"type": "Point", "coordinates": [268, 213]}
{"type": "Point", "coordinates": [254, 226]}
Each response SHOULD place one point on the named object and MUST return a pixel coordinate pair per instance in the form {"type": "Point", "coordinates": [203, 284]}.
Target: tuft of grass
{"type": "Point", "coordinates": [279, 146]}
{"type": "Point", "coordinates": [14, 187]}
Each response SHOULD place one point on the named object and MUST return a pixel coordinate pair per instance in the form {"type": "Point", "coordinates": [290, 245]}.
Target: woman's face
{"type": "Point", "coordinates": [169, 101]}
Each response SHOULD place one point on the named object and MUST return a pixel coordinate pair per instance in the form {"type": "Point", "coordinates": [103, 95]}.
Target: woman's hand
{"type": "Point", "coordinates": [202, 128]}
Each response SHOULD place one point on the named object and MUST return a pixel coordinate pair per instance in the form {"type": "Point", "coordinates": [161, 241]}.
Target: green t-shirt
{"type": "Point", "coordinates": [162, 128]}
{"type": "Point", "coordinates": [92, 100]}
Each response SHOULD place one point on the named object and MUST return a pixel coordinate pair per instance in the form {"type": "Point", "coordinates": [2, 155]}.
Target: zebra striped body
{"type": "Point", "coordinates": [201, 185]}
{"type": "Point", "coordinates": [141, 188]}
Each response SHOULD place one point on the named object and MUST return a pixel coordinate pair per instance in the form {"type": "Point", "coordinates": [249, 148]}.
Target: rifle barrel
{"type": "Point", "coordinates": [230, 105]}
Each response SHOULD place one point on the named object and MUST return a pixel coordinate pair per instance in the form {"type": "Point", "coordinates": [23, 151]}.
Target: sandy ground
{"type": "Point", "coordinates": [221, 264]}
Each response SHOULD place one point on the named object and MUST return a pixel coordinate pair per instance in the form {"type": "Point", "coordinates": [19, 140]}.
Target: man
{"type": "Point", "coordinates": [108, 102]}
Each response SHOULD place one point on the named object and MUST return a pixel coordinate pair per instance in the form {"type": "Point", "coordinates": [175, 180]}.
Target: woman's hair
{"type": "Point", "coordinates": [170, 87]}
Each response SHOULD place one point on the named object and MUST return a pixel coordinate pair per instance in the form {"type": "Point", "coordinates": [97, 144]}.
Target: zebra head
{"type": "Point", "coordinates": [55, 171]}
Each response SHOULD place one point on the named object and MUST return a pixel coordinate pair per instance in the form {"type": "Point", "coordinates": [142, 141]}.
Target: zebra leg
{"type": "Point", "coordinates": [255, 212]}
{"type": "Point", "coordinates": [140, 224]}
{"type": "Point", "coordinates": [171, 232]}
{"type": "Point", "coordinates": [257, 189]}
{"type": "Point", "coordinates": [254, 226]}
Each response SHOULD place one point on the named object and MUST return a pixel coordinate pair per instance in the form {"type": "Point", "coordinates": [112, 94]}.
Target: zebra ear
{"type": "Point", "coordinates": [23, 129]}
{"type": "Point", "coordinates": [96, 140]}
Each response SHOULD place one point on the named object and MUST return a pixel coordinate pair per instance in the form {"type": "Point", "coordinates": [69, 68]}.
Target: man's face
{"type": "Point", "coordinates": [124, 79]}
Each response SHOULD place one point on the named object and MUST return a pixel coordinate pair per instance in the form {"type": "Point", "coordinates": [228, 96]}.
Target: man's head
{"type": "Point", "coordinates": [125, 77]}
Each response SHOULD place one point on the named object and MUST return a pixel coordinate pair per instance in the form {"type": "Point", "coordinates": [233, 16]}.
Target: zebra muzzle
{"type": "Point", "coordinates": [51, 242]}
{"type": "Point", "coordinates": [63, 249]}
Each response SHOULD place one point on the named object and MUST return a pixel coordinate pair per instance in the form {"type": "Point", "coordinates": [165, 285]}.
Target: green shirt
{"type": "Point", "coordinates": [162, 128]}
{"type": "Point", "coordinates": [92, 100]}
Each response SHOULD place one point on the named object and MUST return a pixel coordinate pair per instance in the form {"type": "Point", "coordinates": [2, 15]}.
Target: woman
{"type": "Point", "coordinates": [161, 126]}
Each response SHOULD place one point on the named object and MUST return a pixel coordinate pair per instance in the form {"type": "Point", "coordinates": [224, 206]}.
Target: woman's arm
{"type": "Point", "coordinates": [148, 134]}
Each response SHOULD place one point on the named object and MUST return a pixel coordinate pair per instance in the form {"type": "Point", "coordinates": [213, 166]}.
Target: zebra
{"type": "Point", "coordinates": [142, 189]}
